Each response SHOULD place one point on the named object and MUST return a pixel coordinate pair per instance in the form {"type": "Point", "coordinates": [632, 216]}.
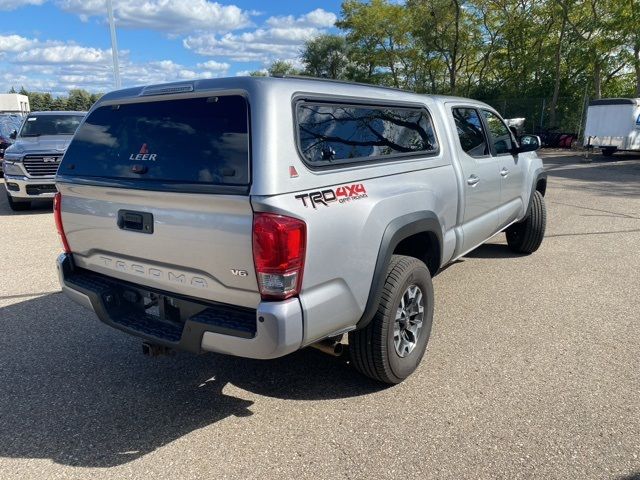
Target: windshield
{"type": "Point", "coordinates": [36, 125]}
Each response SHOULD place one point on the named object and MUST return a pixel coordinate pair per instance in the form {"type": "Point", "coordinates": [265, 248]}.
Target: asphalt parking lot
{"type": "Point", "coordinates": [532, 371]}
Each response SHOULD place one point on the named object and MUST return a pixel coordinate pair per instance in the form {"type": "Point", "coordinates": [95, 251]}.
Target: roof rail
{"type": "Point", "coordinates": [343, 82]}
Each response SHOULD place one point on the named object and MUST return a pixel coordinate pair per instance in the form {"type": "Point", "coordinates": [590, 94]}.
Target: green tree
{"type": "Point", "coordinates": [79, 99]}
{"type": "Point", "coordinates": [597, 30]}
{"type": "Point", "coordinates": [379, 34]}
{"type": "Point", "coordinates": [326, 56]}
{"type": "Point", "coordinates": [59, 103]}
{"type": "Point", "coordinates": [449, 32]}
{"type": "Point", "coordinates": [281, 68]}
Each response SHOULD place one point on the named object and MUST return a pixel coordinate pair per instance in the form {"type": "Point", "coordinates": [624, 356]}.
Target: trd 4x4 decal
{"type": "Point", "coordinates": [342, 194]}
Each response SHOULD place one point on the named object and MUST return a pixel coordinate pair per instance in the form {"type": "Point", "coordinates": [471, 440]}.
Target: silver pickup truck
{"type": "Point", "coordinates": [257, 216]}
{"type": "Point", "coordinates": [31, 162]}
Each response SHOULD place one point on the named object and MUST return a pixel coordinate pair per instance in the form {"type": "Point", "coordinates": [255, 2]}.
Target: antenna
{"type": "Point", "coordinates": [114, 45]}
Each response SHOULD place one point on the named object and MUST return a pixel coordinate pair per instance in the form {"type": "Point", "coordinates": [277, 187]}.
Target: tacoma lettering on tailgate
{"type": "Point", "coordinates": [153, 272]}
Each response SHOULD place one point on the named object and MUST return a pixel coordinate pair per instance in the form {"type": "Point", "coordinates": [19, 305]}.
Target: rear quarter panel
{"type": "Point", "coordinates": [344, 236]}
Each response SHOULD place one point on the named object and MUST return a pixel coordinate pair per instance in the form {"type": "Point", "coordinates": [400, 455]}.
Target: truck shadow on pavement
{"type": "Point", "coordinates": [82, 394]}
{"type": "Point", "coordinates": [633, 476]}
{"type": "Point", "coordinates": [493, 250]}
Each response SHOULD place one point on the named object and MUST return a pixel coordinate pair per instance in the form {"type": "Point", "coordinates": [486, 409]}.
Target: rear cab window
{"type": "Point", "coordinates": [333, 133]}
{"type": "Point", "coordinates": [168, 144]}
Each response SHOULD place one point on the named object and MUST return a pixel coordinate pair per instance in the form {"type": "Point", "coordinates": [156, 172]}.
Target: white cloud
{"type": "Point", "coordinates": [246, 73]}
{"type": "Point", "coordinates": [282, 37]}
{"type": "Point", "coordinates": [15, 4]}
{"type": "Point", "coordinates": [207, 28]}
{"type": "Point", "coordinates": [57, 68]}
{"type": "Point", "coordinates": [317, 18]}
{"type": "Point", "coordinates": [213, 66]}
{"type": "Point", "coordinates": [258, 45]}
{"type": "Point", "coordinates": [15, 43]}
{"type": "Point", "coordinates": [69, 54]}
{"type": "Point", "coordinates": [171, 16]}
{"type": "Point", "coordinates": [321, 18]}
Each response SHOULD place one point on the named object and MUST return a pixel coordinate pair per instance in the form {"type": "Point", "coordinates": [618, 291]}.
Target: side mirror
{"type": "Point", "coordinates": [13, 135]}
{"type": "Point", "coordinates": [529, 143]}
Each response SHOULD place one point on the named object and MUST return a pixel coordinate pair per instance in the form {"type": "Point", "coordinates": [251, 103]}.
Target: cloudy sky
{"type": "Point", "coordinates": [56, 45]}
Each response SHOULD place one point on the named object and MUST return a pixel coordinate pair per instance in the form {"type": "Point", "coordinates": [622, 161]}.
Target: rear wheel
{"type": "Point", "coordinates": [390, 348]}
{"type": "Point", "coordinates": [526, 236]}
{"type": "Point", "coordinates": [16, 205]}
{"type": "Point", "coordinates": [608, 152]}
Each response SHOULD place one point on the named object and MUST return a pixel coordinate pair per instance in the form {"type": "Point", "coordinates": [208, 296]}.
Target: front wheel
{"type": "Point", "coordinates": [526, 236]}
{"type": "Point", "coordinates": [390, 348]}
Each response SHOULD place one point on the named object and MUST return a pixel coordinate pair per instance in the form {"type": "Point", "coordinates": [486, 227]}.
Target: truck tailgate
{"type": "Point", "coordinates": [200, 244]}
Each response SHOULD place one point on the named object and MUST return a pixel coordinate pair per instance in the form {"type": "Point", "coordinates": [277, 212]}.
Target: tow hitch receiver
{"type": "Point", "coordinates": [154, 350]}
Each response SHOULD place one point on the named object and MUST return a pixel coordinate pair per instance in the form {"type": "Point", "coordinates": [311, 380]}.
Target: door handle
{"type": "Point", "coordinates": [135, 221]}
{"type": "Point", "coordinates": [504, 172]}
{"type": "Point", "coordinates": [473, 180]}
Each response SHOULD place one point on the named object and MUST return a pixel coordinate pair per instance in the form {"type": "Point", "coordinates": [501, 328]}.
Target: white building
{"type": "Point", "coordinates": [14, 103]}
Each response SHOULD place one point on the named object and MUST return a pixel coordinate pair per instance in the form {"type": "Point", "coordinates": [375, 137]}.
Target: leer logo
{"type": "Point", "coordinates": [342, 194]}
{"type": "Point", "coordinates": [144, 155]}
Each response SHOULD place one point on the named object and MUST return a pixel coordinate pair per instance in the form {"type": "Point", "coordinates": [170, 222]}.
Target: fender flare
{"type": "Point", "coordinates": [539, 175]}
{"type": "Point", "coordinates": [399, 229]}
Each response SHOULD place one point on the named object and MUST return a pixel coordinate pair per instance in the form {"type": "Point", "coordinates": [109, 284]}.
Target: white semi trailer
{"type": "Point", "coordinates": [613, 124]}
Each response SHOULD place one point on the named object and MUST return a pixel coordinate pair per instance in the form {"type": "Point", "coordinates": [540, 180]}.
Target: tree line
{"type": "Point", "coordinates": [77, 100]}
{"type": "Point", "coordinates": [559, 51]}
{"type": "Point", "coordinates": [533, 58]}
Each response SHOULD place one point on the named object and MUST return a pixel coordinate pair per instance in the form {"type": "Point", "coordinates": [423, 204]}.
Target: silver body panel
{"type": "Point", "coordinates": [196, 243]}
{"type": "Point", "coordinates": [207, 236]}
{"type": "Point", "coordinates": [279, 332]}
{"type": "Point", "coordinates": [23, 182]}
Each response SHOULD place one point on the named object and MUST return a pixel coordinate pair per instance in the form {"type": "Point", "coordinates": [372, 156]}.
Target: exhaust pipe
{"type": "Point", "coordinates": [330, 346]}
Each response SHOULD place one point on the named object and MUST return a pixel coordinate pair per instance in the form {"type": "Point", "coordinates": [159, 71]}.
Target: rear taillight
{"type": "Point", "coordinates": [57, 215]}
{"type": "Point", "coordinates": [279, 244]}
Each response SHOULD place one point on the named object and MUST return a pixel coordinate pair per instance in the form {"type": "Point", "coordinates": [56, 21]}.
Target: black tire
{"type": "Point", "coordinates": [526, 236]}
{"type": "Point", "coordinates": [608, 152]}
{"type": "Point", "coordinates": [18, 206]}
{"type": "Point", "coordinates": [372, 349]}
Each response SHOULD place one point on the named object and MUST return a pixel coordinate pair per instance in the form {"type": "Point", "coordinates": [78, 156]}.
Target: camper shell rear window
{"type": "Point", "coordinates": [182, 144]}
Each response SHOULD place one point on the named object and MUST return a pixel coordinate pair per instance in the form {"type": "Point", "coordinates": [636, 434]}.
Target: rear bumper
{"type": "Point", "coordinates": [30, 188]}
{"type": "Point", "coordinates": [273, 330]}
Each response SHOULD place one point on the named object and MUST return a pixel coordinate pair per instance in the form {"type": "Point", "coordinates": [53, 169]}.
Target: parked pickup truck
{"type": "Point", "coordinates": [30, 164]}
{"type": "Point", "coordinates": [258, 216]}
